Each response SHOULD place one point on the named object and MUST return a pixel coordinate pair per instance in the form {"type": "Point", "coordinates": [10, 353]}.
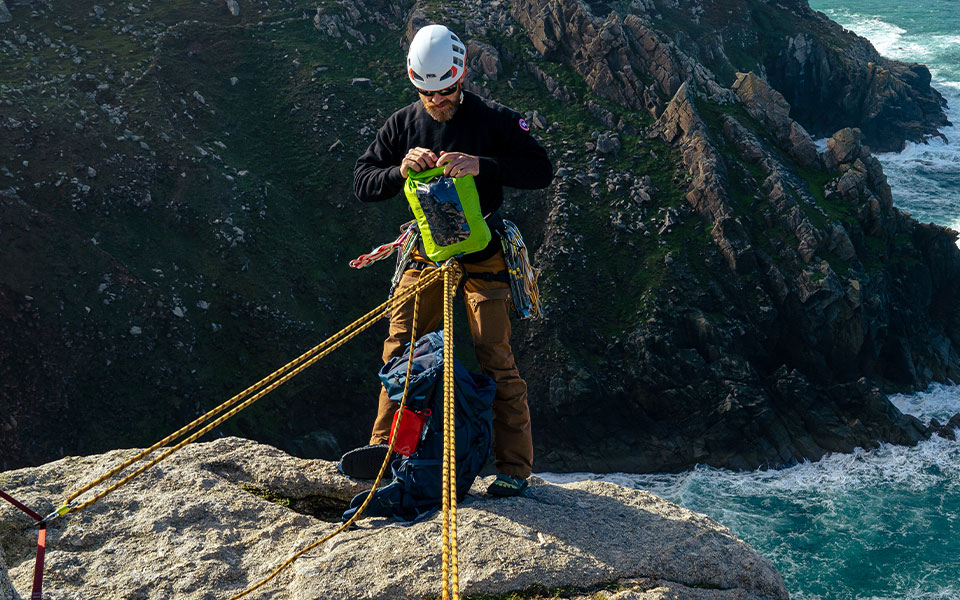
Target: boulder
{"type": "Point", "coordinates": [234, 7]}
{"type": "Point", "coordinates": [5, 16]}
{"type": "Point", "coordinates": [484, 59]}
{"type": "Point", "coordinates": [200, 523]}
{"type": "Point", "coordinates": [844, 146]}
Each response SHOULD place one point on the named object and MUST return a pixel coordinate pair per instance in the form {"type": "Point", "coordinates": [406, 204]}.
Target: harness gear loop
{"type": "Point", "coordinates": [244, 398]}
{"type": "Point", "coordinates": [449, 569]}
{"type": "Point", "coordinates": [376, 482]}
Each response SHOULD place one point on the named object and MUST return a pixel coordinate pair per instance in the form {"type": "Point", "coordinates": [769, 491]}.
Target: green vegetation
{"type": "Point", "coordinates": [752, 33]}
{"type": "Point", "coordinates": [267, 495]}
{"type": "Point", "coordinates": [188, 208]}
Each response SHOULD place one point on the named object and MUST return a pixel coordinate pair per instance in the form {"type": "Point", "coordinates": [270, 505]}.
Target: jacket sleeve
{"type": "Point", "coordinates": [376, 175]}
{"type": "Point", "coordinates": [523, 164]}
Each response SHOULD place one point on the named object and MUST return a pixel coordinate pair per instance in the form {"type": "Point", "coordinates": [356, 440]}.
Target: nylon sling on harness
{"type": "Point", "coordinates": [37, 592]}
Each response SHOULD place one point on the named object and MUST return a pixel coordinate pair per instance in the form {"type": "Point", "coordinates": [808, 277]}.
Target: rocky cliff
{"type": "Point", "coordinates": [218, 517]}
{"type": "Point", "coordinates": [177, 216]}
{"type": "Point", "coordinates": [830, 77]}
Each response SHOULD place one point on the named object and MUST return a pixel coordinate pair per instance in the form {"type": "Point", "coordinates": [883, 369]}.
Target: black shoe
{"type": "Point", "coordinates": [505, 486]}
{"type": "Point", "coordinates": [363, 462]}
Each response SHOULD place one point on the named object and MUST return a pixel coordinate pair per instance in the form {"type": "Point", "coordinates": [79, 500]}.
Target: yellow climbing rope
{"type": "Point", "coordinates": [376, 482]}
{"type": "Point", "coordinates": [450, 272]}
{"type": "Point", "coordinates": [259, 390]}
{"type": "Point", "coordinates": [449, 577]}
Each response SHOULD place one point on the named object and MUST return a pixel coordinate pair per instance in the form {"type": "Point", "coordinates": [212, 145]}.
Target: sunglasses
{"type": "Point", "coordinates": [453, 89]}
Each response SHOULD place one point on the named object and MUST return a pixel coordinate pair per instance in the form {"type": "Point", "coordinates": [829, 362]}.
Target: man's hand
{"type": "Point", "coordinates": [458, 164]}
{"type": "Point", "coordinates": [416, 160]}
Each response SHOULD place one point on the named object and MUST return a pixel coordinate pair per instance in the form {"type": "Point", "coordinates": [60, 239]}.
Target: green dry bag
{"type": "Point", "coordinates": [448, 213]}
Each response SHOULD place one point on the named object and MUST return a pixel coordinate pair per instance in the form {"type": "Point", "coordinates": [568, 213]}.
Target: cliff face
{"type": "Point", "coordinates": [177, 214]}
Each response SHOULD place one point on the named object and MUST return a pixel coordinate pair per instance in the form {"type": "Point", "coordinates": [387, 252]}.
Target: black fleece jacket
{"type": "Point", "coordinates": [509, 156]}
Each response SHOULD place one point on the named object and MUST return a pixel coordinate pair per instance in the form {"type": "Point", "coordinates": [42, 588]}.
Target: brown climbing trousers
{"type": "Point", "coordinates": [488, 312]}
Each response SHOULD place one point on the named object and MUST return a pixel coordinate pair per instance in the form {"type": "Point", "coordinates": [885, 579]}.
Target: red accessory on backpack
{"type": "Point", "coordinates": [411, 428]}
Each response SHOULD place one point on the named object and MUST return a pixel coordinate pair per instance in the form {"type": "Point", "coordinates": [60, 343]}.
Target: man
{"type": "Point", "coordinates": [465, 134]}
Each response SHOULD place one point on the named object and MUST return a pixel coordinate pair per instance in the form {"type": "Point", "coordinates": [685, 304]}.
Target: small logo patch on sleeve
{"type": "Point", "coordinates": [523, 125]}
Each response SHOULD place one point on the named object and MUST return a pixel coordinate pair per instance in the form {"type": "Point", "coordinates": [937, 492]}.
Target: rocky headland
{"type": "Point", "coordinates": [176, 216]}
{"type": "Point", "coordinates": [217, 517]}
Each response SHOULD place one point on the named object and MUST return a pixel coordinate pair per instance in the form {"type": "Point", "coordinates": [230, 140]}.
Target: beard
{"type": "Point", "coordinates": [443, 111]}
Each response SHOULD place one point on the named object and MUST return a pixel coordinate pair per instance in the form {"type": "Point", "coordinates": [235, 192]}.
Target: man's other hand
{"type": "Point", "coordinates": [458, 164]}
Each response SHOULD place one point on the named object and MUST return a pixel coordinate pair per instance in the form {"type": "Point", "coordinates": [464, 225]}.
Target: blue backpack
{"type": "Point", "coordinates": [417, 483]}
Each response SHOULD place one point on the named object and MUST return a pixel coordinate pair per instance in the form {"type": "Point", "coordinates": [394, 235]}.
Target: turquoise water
{"type": "Point", "coordinates": [925, 177]}
{"type": "Point", "coordinates": [871, 525]}
{"type": "Point", "coordinates": [882, 524]}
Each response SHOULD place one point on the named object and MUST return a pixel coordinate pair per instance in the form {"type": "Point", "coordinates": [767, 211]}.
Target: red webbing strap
{"type": "Point", "coordinates": [37, 593]}
{"type": "Point", "coordinates": [20, 505]}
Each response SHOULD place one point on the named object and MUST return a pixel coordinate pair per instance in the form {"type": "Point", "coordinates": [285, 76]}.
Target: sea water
{"type": "Point", "coordinates": [925, 177]}
{"type": "Point", "coordinates": [880, 524]}
{"type": "Point", "coordinates": [870, 525]}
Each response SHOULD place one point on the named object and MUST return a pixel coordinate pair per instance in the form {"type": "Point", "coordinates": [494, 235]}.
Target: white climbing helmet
{"type": "Point", "coordinates": [436, 58]}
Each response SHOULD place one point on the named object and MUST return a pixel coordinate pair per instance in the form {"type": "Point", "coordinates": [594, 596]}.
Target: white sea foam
{"type": "Point", "coordinates": [887, 38]}
{"type": "Point", "coordinates": [904, 467]}
{"type": "Point", "coordinates": [939, 402]}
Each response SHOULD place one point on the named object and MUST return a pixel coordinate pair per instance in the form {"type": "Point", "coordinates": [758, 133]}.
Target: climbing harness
{"type": "Point", "coordinates": [37, 591]}
{"type": "Point", "coordinates": [520, 273]}
{"type": "Point", "coordinates": [450, 272]}
{"type": "Point", "coordinates": [523, 278]}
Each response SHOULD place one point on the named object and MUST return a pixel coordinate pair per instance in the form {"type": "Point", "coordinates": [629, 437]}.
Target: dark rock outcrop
{"type": "Point", "coordinates": [888, 100]}
{"type": "Point", "coordinates": [831, 77]}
